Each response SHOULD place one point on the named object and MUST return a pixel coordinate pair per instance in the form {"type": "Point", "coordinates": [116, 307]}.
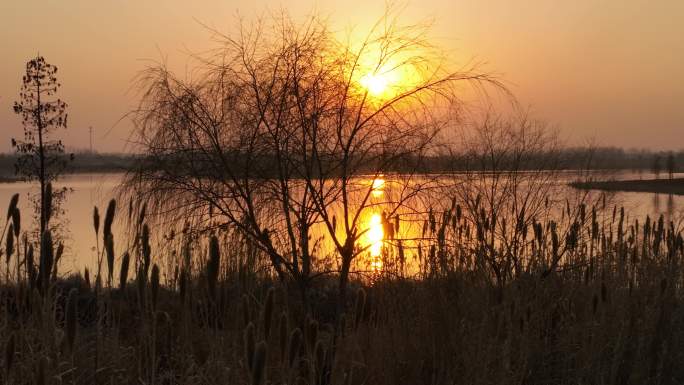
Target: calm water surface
{"type": "Point", "coordinates": [91, 190]}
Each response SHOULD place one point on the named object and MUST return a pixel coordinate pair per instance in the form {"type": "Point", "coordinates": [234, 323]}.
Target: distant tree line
{"type": "Point", "coordinates": [570, 158]}
{"type": "Point", "coordinates": [83, 162]}
{"type": "Point", "coordinates": [634, 159]}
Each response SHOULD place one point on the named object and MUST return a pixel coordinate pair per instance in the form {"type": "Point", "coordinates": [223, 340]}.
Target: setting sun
{"type": "Point", "coordinates": [376, 85]}
{"type": "Point", "coordinates": [382, 77]}
{"type": "Point", "coordinates": [385, 78]}
{"type": "Point", "coordinates": [382, 84]}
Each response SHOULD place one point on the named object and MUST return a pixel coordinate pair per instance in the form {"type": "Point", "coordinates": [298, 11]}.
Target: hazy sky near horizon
{"type": "Point", "coordinates": [607, 71]}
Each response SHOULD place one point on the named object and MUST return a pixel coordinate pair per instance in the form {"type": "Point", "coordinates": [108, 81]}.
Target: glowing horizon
{"type": "Point", "coordinates": [574, 63]}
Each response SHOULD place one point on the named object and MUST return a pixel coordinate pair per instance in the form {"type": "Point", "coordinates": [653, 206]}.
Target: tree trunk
{"type": "Point", "coordinates": [344, 281]}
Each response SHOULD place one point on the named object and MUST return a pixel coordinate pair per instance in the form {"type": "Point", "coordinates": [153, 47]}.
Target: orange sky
{"type": "Point", "coordinates": [603, 70]}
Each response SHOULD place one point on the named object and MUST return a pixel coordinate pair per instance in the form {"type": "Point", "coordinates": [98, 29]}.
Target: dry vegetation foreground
{"type": "Point", "coordinates": [610, 314]}
{"type": "Point", "coordinates": [589, 327]}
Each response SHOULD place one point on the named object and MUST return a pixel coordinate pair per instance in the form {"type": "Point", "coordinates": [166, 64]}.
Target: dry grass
{"type": "Point", "coordinates": [609, 313]}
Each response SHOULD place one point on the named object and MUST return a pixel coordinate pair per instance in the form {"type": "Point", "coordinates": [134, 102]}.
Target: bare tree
{"type": "Point", "coordinates": [41, 158]}
{"type": "Point", "coordinates": [284, 132]}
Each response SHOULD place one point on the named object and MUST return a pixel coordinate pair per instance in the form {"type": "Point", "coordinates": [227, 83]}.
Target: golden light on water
{"type": "Point", "coordinates": [378, 183]}
{"type": "Point", "coordinates": [375, 236]}
{"type": "Point", "coordinates": [376, 225]}
{"type": "Point", "coordinates": [377, 187]}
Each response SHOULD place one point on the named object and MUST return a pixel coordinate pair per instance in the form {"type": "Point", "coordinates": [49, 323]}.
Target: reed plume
{"type": "Point", "coordinates": [9, 244]}
{"type": "Point", "coordinates": [123, 274]}
{"type": "Point", "coordinates": [109, 251]}
{"type": "Point", "coordinates": [14, 201]}
{"type": "Point", "coordinates": [109, 218]}
{"type": "Point", "coordinates": [154, 285]}
{"type": "Point", "coordinates": [146, 249]}
{"type": "Point", "coordinates": [250, 341]}
{"type": "Point", "coordinates": [86, 277]}
{"type": "Point", "coordinates": [16, 220]}
{"type": "Point", "coordinates": [96, 220]}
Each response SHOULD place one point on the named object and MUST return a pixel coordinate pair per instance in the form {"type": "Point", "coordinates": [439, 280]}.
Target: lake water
{"type": "Point", "coordinates": [91, 190]}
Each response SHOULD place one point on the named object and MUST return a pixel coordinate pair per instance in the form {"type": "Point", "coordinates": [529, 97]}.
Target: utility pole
{"type": "Point", "coordinates": [90, 129]}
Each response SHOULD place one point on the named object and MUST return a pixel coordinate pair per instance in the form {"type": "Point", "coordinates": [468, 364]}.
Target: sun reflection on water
{"type": "Point", "coordinates": [375, 235]}
{"type": "Point", "coordinates": [377, 187]}
{"type": "Point", "coordinates": [375, 238]}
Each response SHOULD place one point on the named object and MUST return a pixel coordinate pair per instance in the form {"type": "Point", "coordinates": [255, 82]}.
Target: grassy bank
{"type": "Point", "coordinates": [661, 186]}
{"type": "Point", "coordinates": [566, 329]}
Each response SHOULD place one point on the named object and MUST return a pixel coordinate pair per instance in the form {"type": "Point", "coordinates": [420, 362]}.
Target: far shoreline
{"type": "Point", "coordinates": [7, 179]}
{"type": "Point", "coordinates": [660, 186]}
